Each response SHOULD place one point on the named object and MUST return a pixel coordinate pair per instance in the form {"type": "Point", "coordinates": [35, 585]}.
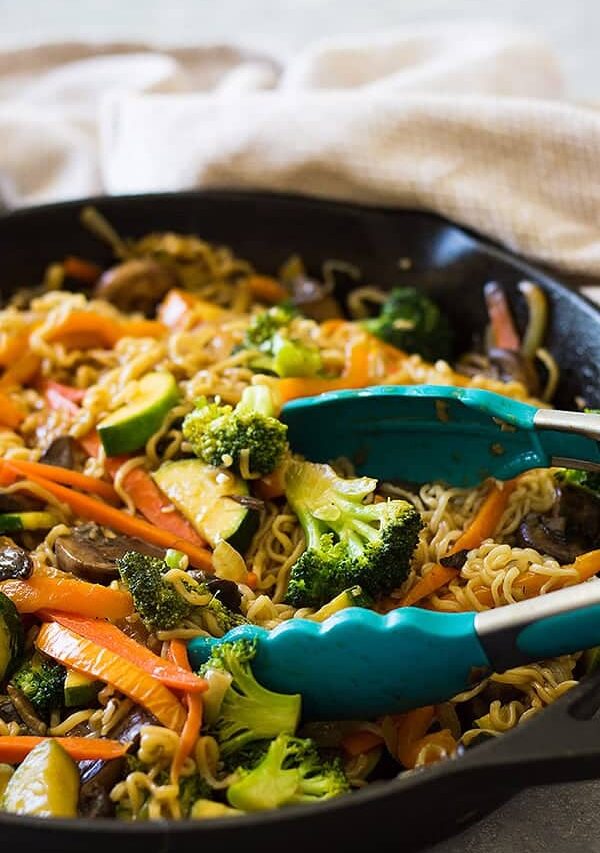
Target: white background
{"type": "Point", "coordinates": [572, 26]}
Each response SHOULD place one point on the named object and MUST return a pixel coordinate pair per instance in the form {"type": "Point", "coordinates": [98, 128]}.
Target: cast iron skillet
{"type": "Point", "coordinates": [562, 743]}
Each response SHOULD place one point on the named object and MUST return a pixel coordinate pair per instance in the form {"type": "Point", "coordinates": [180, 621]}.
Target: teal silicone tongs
{"type": "Point", "coordinates": [361, 664]}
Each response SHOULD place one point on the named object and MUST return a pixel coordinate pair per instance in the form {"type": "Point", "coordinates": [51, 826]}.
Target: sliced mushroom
{"type": "Point", "coordinates": [17, 503]}
{"type": "Point", "coordinates": [87, 552]}
{"type": "Point", "coordinates": [99, 777]}
{"type": "Point", "coordinates": [514, 366]}
{"type": "Point", "coordinates": [136, 285]}
{"type": "Point", "coordinates": [571, 528]}
{"type": "Point", "coordinates": [63, 452]}
{"type": "Point", "coordinates": [26, 711]}
{"type": "Point", "coordinates": [225, 590]}
{"type": "Point", "coordinates": [14, 561]}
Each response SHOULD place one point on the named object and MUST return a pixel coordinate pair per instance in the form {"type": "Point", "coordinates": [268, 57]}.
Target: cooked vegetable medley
{"type": "Point", "coordinates": [149, 495]}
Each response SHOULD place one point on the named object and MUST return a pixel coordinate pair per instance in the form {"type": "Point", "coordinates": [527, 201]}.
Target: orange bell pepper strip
{"type": "Point", "coordinates": [21, 372]}
{"type": "Point", "coordinates": [443, 740]}
{"type": "Point", "coordinates": [85, 330]}
{"type": "Point", "coordinates": [14, 348]}
{"type": "Point", "coordinates": [355, 743]}
{"type": "Point", "coordinates": [68, 477]}
{"type": "Point", "coordinates": [193, 722]}
{"type": "Point", "coordinates": [91, 659]}
{"type": "Point", "coordinates": [13, 749]}
{"type": "Point", "coordinates": [11, 415]}
{"type": "Point", "coordinates": [356, 375]}
{"type": "Point", "coordinates": [94, 510]}
{"type": "Point", "coordinates": [411, 727]}
{"type": "Point", "coordinates": [63, 592]}
{"type": "Point", "coordinates": [110, 637]}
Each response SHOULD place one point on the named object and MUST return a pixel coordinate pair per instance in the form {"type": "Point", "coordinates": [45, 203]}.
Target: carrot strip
{"type": "Point", "coordinates": [13, 749]}
{"type": "Point", "coordinates": [21, 371]}
{"type": "Point", "coordinates": [487, 518]}
{"type": "Point", "coordinates": [63, 592]}
{"type": "Point", "coordinates": [411, 727]}
{"type": "Point", "coordinates": [437, 577]}
{"type": "Point", "coordinates": [193, 723]}
{"type": "Point", "coordinates": [94, 510]}
{"type": "Point", "coordinates": [60, 402]}
{"type": "Point", "coordinates": [266, 289]}
{"type": "Point", "coordinates": [145, 494]}
{"type": "Point", "coordinates": [503, 327]}
{"type": "Point", "coordinates": [110, 637]}
{"type": "Point", "coordinates": [87, 657]}
{"type": "Point", "coordinates": [68, 478]}
{"type": "Point", "coordinates": [74, 395]}
{"type": "Point", "coordinates": [11, 415]}
{"type": "Point", "coordinates": [356, 375]}
{"type": "Point", "coordinates": [356, 743]}
{"type": "Point", "coordinates": [81, 269]}
{"type": "Point", "coordinates": [481, 527]}
{"type": "Point", "coordinates": [443, 741]}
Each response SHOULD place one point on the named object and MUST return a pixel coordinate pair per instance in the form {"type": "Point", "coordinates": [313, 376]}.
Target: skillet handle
{"type": "Point", "coordinates": [561, 744]}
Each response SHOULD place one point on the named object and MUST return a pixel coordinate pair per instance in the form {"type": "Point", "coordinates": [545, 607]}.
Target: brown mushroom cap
{"type": "Point", "coordinates": [87, 552]}
{"type": "Point", "coordinates": [14, 561]}
{"type": "Point", "coordinates": [136, 285]}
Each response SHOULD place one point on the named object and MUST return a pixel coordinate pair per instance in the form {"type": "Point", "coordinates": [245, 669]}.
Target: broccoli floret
{"type": "Point", "coordinates": [157, 601]}
{"type": "Point", "coordinates": [348, 542]}
{"type": "Point", "coordinates": [291, 772]}
{"type": "Point", "coordinates": [41, 681]}
{"type": "Point", "coordinates": [267, 323]}
{"type": "Point", "coordinates": [220, 435]}
{"type": "Point", "coordinates": [588, 480]}
{"type": "Point", "coordinates": [281, 354]}
{"type": "Point", "coordinates": [160, 605]}
{"type": "Point", "coordinates": [217, 618]}
{"type": "Point", "coordinates": [248, 712]}
{"type": "Point", "coordinates": [192, 788]}
{"type": "Point", "coordinates": [414, 323]}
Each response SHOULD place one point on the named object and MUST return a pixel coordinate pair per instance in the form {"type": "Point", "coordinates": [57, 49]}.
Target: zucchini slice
{"type": "Point", "coordinates": [80, 689]}
{"type": "Point", "coordinates": [15, 521]}
{"type": "Point", "coordinates": [130, 427]}
{"type": "Point", "coordinates": [45, 784]}
{"type": "Point", "coordinates": [11, 637]}
{"type": "Point", "coordinates": [352, 597]}
{"type": "Point", "coordinates": [201, 492]}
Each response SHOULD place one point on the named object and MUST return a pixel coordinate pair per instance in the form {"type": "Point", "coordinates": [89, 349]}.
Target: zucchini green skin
{"type": "Point", "coordinates": [193, 487]}
{"type": "Point", "coordinates": [11, 637]}
{"type": "Point", "coordinates": [79, 689]}
{"type": "Point", "coordinates": [130, 427]}
{"type": "Point", "coordinates": [11, 522]}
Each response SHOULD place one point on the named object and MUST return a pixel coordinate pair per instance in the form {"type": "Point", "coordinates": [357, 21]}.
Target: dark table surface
{"type": "Point", "coordinates": [549, 819]}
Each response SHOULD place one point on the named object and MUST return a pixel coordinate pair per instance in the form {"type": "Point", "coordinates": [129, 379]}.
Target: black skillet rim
{"type": "Point", "coordinates": [376, 791]}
